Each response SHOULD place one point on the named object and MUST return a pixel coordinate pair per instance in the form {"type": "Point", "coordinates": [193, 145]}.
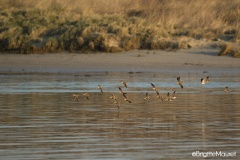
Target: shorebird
{"type": "Point", "coordinates": [226, 89]}
{"type": "Point", "coordinates": [168, 97]}
{"type": "Point", "coordinates": [113, 97]}
{"type": "Point", "coordinates": [173, 95]}
{"type": "Point", "coordinates": [115, 100]}
{"type": "Point", "coordinates": [147, 96]}
{"type": "Point", "coordinates": [158, 95]}
{"type": "Point", "coordinates": [124, 83]}
{"type": "Point", "coordinates": [86, 95]}
{"type": "Point", "coordinates": [179, 82]}
{"type": "Point", "coordinates": [154, 87]}
{"type": "Point", "coordinates": [126, 99]}
{"type": "Point", "coordinates": [100, 88]}
{"type": "Point", "coordinates": [76, 96]}
{"type": "Point", "coordinates": [121, 91]}
{"type": "Point", "coordinates": [205, 80]}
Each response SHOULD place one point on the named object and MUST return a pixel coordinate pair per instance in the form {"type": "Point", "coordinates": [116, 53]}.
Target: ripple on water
{"type": "Point", "coordinates": [41, 120]}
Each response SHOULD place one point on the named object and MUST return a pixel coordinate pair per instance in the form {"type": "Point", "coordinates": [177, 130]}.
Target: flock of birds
{"type": "Point", "coordinates": [170, 97]}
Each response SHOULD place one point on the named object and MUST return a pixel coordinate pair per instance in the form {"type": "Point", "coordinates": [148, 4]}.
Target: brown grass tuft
{"type": "Point", "coordinates": [229, 49]}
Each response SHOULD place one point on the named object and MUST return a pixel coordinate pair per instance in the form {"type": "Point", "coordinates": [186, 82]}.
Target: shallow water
{"type": "Point", "coordinates": [41, 120]}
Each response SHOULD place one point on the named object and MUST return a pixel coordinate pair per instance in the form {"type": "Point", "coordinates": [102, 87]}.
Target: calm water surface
{"type": "Point", "coordinates": [39, 119]}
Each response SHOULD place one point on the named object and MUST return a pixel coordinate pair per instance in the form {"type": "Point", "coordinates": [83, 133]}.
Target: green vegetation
{"type": "Point", "coordinates": [113, 26]}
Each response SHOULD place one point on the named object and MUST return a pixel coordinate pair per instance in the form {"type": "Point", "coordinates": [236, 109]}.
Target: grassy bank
{"type": "Point", "coordinates": [114, 26]}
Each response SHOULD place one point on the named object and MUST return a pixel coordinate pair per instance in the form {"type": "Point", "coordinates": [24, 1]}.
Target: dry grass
{"type": "Point", "coordinates": [229, 49]}
{"type": "Point", "coordinates": [113, 26]}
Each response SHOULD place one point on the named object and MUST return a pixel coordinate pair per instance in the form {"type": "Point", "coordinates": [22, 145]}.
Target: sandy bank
{"type": "Point", "coordinates": [204, 59]}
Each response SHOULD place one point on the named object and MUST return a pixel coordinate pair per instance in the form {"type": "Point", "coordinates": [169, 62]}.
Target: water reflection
{"type": "Point", "coordinates": [45, 123]}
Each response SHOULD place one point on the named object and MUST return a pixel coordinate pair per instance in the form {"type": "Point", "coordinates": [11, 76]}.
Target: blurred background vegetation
{"type": "Point", "coordinates": [32, 26]}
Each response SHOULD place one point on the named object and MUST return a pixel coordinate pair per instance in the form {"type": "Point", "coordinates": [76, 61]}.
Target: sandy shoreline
{"type": "Point", "coordinates": [201, 60]}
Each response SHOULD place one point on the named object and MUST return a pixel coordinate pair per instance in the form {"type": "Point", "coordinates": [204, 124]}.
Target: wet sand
{"type": "Point", "coordinates": [188, 60]}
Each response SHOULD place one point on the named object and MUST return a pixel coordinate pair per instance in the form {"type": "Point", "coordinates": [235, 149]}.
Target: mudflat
{"type": "Point", "coordinates": [203, 59]}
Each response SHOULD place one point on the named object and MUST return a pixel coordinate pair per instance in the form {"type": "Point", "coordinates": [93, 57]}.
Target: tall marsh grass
{"type": "Point", "coordinates": [114, 25]}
